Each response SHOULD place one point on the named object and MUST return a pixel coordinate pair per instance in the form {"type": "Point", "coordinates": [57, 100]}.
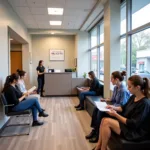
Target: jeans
{"type": "Point", "coordinates": [29, 103]}
{"type": "Point", "coordinates": [83, 95]}
{"type": "Point", "coordinates": [97, 117]}
{"type": "Point", "coordinates": [40, 85]}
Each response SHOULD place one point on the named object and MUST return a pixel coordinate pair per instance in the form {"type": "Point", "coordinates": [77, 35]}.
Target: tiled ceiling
{"type": "Point", "coordinates": [34, 13]}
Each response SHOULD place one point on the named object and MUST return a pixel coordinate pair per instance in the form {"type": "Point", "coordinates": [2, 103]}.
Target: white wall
{"type": "Point", "coordinates": [83, 59]}
{"type": "Point", "coordinates": [41, 44]}
{"type": "Point", "coordinates": [111, 42]}
{"type": "Point", "coordinates": [16, 47]}
{"type": "Point", "coordinates": [8, 18]}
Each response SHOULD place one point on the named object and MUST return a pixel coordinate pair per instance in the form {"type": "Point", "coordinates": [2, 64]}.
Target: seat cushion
{"type": "Point", "coordinates": [19, 113]}
{"type": "Point", "coordinates": [93, 99]}
{"type": "Point", "coordinates": [119, 143]}
{"type": "Point", "coordinates": [89, 103]}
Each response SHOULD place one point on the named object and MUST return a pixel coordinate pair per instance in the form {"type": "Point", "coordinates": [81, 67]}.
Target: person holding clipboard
{"type": "Point", "coordinates": [21, 101]}
{"type": "Point", "coordinates": [88, 91]}
{"type": "Point", "coordinates": [21, 85]}
{"type": "Point", "coordinates": [40, 72]}
{"type": "Point", "coordinates": [119, 97]}
{"type": "Point", "coordinates": [130, 121]}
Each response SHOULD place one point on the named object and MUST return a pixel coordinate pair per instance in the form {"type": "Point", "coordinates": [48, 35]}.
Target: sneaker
{"type": "Point", "coordinates": [43, 114]}
{"type": "Point", "coordinates": [37, 123]}
{"type": "Point", "coordinates": [91, 135]}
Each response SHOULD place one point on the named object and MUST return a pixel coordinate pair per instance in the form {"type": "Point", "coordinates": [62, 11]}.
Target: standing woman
{"type": "Point", "coordinates": [40, 71]}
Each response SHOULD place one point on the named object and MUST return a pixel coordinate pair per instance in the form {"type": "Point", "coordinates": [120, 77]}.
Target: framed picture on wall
{"type": "Point", "coordinates": [57, 55]}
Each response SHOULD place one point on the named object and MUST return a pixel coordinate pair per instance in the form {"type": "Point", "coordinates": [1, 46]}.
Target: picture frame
{"type": "Point", "coordinates": [57, 54]}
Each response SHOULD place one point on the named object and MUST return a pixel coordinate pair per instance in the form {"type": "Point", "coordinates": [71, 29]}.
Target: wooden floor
{"type": "Point", "coordinates": [64, 129]}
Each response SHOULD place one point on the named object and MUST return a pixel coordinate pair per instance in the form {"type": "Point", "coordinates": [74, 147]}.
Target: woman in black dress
{"type": "Point", "coordinates": [133, 123]}
{"type": "Point", "coordinates": [40, 71]}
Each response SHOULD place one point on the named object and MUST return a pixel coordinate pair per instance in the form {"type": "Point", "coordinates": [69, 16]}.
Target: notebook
{"type": "Point", "coordinates": [102, 106]}
{"type": "Point", "coordinates": [32, 89]}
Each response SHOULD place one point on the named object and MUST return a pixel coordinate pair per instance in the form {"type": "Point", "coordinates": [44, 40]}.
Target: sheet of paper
{"type": "Point", "coordinates": [32, 89]}
{"type": "Point", "coordinates": [102, 106]}
{"type": "Point", "coordinates": [81, 88]}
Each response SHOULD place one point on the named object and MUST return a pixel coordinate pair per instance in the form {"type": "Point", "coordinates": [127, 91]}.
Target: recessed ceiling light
{"type": "Point", "coordinates": [52, 33]}
{"type": "Point", "coordinates": [55, 11]}
{"type": "Point", "coordinates": [55, 23]}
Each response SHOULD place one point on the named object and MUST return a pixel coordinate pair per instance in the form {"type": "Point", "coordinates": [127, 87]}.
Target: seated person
{"type": "Point", "coordinates": [21, 84]}
{"type": "Point", "coordinates": [90, 91]}
{"type": "Point", "coordinates": [133, 123]}
{"type": "Point", "coordinates": [119, 97]}
{"type": "Point", "coordinates": [21, 102]}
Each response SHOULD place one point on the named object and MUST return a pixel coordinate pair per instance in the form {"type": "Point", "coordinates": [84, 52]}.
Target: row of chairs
{"type": "Point", "coordinates": [17, 115]}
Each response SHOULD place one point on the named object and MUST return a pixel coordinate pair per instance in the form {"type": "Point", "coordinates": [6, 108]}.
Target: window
{"type": "Point", "coordinates": [97, 50]}
{"type": "Point", "coordinates": [140, 11]}
{"type": "Point", "coordinates": [101, 63]}
{"type": "Point", "coordinates": [140, 57]}
{"type": "Point", "coordinates": [123, 18]}
{"type": "Point", "coordinates": [101, 33]}
{"type": "Point", "coordinates": [94, 60]}
{"type": "Point", "coordinates": [94, 37]}
{"type": "Point", "coordinates": [123, 54]}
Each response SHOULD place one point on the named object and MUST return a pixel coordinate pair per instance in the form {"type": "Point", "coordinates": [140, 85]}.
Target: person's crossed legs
{"type": "Point", "coordinates": [107, 125]}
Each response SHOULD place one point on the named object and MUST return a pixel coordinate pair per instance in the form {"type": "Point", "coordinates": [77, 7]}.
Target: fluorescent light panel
{"type": "Point", "coordinates": [55, 23]}
{"type": "Point", "coordinates": [55, 11]}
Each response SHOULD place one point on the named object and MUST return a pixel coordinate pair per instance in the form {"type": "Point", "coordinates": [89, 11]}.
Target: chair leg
{"type": "Point", "coordinates": [11, 125]}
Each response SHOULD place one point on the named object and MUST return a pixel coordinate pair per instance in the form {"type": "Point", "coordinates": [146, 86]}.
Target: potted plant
{"type": "Point", "coordinates": [84, 75]}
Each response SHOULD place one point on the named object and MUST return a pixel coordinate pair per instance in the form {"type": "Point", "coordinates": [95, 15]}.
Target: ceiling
{"type": "Point", "coordinates": [34, 13]}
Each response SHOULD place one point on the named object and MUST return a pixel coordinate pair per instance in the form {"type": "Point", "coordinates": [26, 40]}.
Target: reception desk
{"type": "Point", "coordinates": [62, 83]}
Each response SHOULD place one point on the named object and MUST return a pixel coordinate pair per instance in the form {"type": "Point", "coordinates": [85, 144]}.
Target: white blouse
{"type": "Point", "coordinates": [22, 86]}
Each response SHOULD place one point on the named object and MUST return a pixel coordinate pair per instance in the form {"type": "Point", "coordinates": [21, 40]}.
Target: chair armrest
{"type": "Point", "coordinates": [9, 105]}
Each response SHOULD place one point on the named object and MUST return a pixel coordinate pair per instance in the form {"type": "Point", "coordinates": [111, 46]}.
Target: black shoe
{"type": "Point", "coordinates": [91, 135]}
{"type": "Point", "coordinates": [80, 108]}
{"type": "Point", "coordinates": [37, 123]}
{"type": "Point", "coordinates": [94, 139]}
{"type": "Point", "coordinates": [77, 106]}
{"type": "Point", "coordinates": [43, 114]}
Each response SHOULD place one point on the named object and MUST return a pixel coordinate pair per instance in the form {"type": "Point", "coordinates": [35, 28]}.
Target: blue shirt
{"type": "Point", "coordinates": [120, 95]}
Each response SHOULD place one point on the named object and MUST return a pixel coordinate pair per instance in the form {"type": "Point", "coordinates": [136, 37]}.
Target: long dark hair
{"type": "Point", "coordinates": [40, 62]}
{"type": "Point", "coordinates": [92, 74]}
{"type": "Point", "coordinates": [144, 83]}
{"type": "Point", "coordinates": [9, 80]}
{"type": "Point", "coordinates": [21, 73]}
{"type": "Point", "coordinates": [119, 75]}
